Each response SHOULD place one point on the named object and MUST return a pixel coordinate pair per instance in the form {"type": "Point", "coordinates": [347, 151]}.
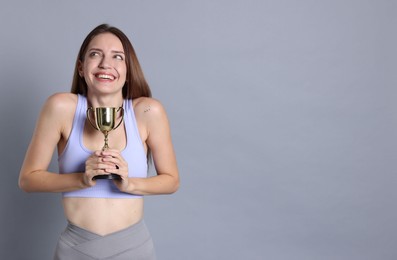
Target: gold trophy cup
{"type": "Point", "coordinates": [105, 121]}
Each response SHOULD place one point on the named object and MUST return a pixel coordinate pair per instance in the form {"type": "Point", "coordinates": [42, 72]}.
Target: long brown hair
{"type": "Point", "coordinates": [135, 85]}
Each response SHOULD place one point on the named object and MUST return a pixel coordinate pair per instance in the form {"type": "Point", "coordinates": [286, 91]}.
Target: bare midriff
{"type": "Point", "coordinates": [103, 216]}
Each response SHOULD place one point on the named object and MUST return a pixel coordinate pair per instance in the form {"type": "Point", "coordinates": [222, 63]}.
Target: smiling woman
{"type": "Point", "coordinates": [105, 215]}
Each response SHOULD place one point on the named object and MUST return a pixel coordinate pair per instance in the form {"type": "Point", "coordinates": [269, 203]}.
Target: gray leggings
{"type": "Point", "coordinates": [131, 243]}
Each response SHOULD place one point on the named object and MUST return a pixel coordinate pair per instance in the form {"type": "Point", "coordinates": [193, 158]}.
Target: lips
{"type": "Point", "coordinates": [104, 76]}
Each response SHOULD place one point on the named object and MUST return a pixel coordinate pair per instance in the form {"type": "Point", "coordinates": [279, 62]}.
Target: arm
{"type": "Point", "coordinates": [156, 133]}
{"type": "Point", "coordinates": [56, 114]}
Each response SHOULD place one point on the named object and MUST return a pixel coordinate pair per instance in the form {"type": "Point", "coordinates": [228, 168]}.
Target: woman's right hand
{"type": "Point", "coordinates": [94, 166]}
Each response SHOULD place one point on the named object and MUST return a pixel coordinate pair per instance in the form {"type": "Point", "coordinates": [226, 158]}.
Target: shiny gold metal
{"type": "Point", "coordinates": [105, 120]}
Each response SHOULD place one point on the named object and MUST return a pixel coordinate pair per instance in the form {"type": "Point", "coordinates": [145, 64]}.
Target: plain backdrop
{"type": "Point", "coordinates": [283, 117]}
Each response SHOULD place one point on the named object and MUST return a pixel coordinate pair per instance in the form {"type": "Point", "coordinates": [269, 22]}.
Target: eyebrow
{"type": "Point", "coordinates": [113, 51]}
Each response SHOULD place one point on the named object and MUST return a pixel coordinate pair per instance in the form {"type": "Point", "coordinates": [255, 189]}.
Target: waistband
{"type": "Point", "coordinates": [88, 235]}
{"type": "Point", "coordinates": [99, 247]}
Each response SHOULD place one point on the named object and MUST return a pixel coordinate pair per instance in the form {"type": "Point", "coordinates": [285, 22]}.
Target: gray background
{"type": "Point", "coordinates": [283, 116]}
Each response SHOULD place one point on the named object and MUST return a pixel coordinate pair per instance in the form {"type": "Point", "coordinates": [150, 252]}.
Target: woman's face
{"type": "Point", "coordinates": [104, 68]}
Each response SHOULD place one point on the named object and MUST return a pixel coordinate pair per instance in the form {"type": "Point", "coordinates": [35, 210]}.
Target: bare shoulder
{"type": "Point", "coordinates": [151, 116]}
{"type": "Point", "coordinates": [62, 101]}
{"type": "Point", "coordinates": [148, 107]}
{"type": "Point", "coordinates": [59, 108]}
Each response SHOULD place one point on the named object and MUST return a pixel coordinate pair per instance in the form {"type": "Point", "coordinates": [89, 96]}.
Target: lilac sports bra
{"type": "Point", "coordinates": [75, 154]}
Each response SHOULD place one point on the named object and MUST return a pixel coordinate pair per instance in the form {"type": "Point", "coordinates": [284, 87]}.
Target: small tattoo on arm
{"type": "Point", "coordinates": [147, 109]}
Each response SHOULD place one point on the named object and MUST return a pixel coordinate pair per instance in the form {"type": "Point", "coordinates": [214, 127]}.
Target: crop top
{"type": "Point", "coordinates": [75, 154]}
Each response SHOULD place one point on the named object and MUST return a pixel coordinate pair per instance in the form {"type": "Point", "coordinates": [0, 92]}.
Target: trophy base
{"type": "Point", "coordinates": [111, 176]}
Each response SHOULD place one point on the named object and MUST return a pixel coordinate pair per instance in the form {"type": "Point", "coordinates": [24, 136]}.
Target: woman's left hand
{"type": "Point", "coordinates": [120, 167]}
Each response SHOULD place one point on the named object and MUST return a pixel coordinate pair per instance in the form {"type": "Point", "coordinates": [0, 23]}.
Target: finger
{"type": "Point", "coordinates": [108, 152]}
{"type": "Point", "coordinates": [113, 160]}
{"type": "Point", "coordinates": [119, 170]}
{"type": "Point", "coordinates": [96, 154]}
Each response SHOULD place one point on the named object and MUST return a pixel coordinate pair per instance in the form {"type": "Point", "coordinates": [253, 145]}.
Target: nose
{"type": "Point", "coordinates": [105, 63]}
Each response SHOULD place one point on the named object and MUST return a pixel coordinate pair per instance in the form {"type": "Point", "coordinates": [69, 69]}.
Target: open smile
{"type": "Point", "coordinates": [104, 76]}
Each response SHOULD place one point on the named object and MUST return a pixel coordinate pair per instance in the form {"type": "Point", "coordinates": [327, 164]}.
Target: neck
{"type": "Point", "coordinates": [105, 100]}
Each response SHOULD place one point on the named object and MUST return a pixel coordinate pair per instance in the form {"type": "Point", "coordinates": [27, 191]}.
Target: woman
{"type": "Point", "coordinates": [105, 216]}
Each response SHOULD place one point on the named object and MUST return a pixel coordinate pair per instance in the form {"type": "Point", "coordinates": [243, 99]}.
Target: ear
{"type": "Point", "coordinates": [80, 68]}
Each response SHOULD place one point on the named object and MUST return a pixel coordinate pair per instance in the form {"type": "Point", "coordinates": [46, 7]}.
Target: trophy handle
{"type": "Point", "coordinates": [122, 116]}
{"type": "Point", "coordinates": [88, 117]}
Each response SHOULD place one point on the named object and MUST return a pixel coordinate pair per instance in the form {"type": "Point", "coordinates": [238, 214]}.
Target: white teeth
{"type": "Point", "coordinates": [104, 76]}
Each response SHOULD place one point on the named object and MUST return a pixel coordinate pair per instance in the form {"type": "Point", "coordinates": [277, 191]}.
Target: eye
{"type": "Point", "coordinates": [118, 57]}
{"type": "Point", "coordinates": [94, 54]}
